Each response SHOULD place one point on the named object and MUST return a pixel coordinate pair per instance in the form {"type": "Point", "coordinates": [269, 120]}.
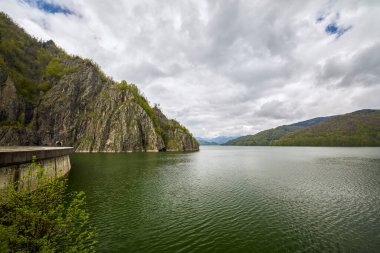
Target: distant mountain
{"type": "Point", "coordinates": [215, 140]}
{"type": "Point", "coordinates": [263, 138]}
{"type": "Point", "coordinates": [206, 143]}
{"type": "Point", "coordinates": [360, 128]}
{"type": "Point", "coordinates": [222, 139]}
{"type": "Point", "coordinates": [266, 137]}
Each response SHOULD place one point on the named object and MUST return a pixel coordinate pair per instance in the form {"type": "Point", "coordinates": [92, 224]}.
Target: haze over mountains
{"type": "Point", "coordinates": [215, 140]}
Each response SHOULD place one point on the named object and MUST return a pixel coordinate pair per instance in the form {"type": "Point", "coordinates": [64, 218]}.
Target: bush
{"type": "Point", "coordinates": [44, 220]}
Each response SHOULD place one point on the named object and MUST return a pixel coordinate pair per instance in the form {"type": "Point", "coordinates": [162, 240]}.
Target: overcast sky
{"type": "Point", "coordinates": [224, 67]}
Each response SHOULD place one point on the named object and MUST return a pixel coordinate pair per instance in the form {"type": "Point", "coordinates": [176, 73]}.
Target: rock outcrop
{"type": "Point", "coordinates": [68, 100]}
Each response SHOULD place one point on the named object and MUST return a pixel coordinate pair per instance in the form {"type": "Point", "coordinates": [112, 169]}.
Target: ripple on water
{"type": "Point", "coordinates": [234, 200]}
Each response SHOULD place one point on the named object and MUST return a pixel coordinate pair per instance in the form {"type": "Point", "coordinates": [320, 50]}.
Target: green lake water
{"type": "Point", "coordinates": [233, 199]}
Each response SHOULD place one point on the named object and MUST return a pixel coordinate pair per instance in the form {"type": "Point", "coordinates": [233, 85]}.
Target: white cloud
{"type": "Point", "coordinates": [225, 67]}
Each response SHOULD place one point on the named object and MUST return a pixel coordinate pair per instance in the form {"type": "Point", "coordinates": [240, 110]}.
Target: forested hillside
{"type": "Point", "coordinates": [361, 128]}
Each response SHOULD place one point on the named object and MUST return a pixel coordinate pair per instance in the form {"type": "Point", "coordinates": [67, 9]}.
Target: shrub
{"type": "Point", "coordinates": [44, 220]}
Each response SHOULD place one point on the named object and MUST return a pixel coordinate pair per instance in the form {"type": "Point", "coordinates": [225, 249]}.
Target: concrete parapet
{"type": "Point", "coordinates": [19, 154]}
{"type": "Point", "coordinates": [16, 165]}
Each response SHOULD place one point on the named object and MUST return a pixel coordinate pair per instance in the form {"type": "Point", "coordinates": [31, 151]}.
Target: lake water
{"type": "Point", "coordinates": [233, 199]}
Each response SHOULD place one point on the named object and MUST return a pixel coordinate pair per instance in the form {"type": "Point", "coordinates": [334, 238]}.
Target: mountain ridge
{"type": "Point", "coordinates": [318, 130]}
{"type": "Point", "coordinates": [218, 140]}
{"type": "Point", "coordinates": [49, 97]}
{"type": "Point", "coordinates": [356, 129]}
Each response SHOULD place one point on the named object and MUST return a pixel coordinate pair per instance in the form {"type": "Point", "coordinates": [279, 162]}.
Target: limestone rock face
{"type": "Point", "coordinates": [10, 102]}
{"type": "Point", "coordinates": [177, 137]}
{"type": "Point", "coordinates": [3, 76]}
{"type": "Point", "coordinates": [48, 97]}
{"type": "Point", "coordinates": [89, 113]}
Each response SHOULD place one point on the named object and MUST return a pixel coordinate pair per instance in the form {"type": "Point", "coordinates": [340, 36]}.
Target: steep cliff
{"type": "Point", "coordinates": [49, 97]}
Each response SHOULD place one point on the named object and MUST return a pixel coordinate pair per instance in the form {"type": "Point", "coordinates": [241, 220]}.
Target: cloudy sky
{"type": "Point", "coordinates": [224, 67]}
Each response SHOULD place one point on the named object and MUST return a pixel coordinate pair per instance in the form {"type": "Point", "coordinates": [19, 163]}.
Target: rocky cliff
{"type": "Point", "coordinates": [48, 97]}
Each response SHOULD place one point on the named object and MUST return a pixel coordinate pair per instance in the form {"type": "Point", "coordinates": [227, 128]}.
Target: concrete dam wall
{"type": "Point", "coordinates": [17, 167]}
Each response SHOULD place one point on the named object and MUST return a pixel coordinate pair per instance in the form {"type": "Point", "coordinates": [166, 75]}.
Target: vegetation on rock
{"type": "Point", "coordinates": [27, 61]}
{"type": "Point", "coordinates": [47, 95]}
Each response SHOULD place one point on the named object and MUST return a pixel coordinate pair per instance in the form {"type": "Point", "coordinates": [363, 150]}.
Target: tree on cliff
{"type": "Point", "coordinates": [44, 220]}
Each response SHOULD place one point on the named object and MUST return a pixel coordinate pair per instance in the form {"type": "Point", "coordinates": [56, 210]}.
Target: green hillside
{"type": "Point", "coordinates": [31, 64]}
{"type": "Point", "coordinates": [266, 137]}
{"type": "Point", "coordinates": [361, 128]}
{"type": "Point", "coordinates": [263, 138]}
